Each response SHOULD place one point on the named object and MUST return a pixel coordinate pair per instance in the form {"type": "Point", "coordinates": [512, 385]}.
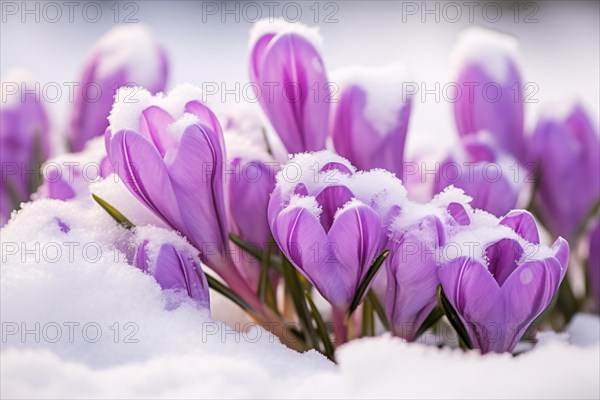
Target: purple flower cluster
{"type": "Point", "coordinates": [336, 210]}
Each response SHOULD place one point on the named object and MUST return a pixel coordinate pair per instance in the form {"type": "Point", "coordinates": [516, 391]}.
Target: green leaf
{"type": "Point", "coordinates": [294, 289]}
{"type": "Point", "coordinates": [454, 319]}
{"type": "Point", "coordinates": [228, 293]}
{"type": "Point", "coordinates": [321, 328]}
{"type": "Point", "coordinates": [368, 319]}
{"type": "Point", "coordinates": [265, 289]}
{"type": "Point", "coordinates": [255, 252]}
{"type": "Point", "coordinates": [433, 317]}
{"type": "Point", "coordinates": [113, 212]}
{"type": "Point", "coordinates": [378, 309]}
{"type": "Point", "coordinates": [362, 288]}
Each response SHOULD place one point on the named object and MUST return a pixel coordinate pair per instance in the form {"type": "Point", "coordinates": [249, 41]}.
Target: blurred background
{"type": "Point", "coordinates": [208, 42]}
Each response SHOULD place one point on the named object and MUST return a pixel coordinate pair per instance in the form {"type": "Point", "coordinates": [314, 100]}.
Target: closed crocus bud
{"type": "Point", "coordinates": [169, 153]}
{"type": "Point", "coordinates": [328, 234]}
{"type": "Point", "coordinates": [250, 182]}
{"type": "Point", "coordinates": [291, 80]}
{"type": "Point", "coordinates": [24, 140]}
{"type": "Point", "coordinates": [593, 264]}
{"type": "Point", "coordinates": [566, 148]}
{"type": "Point", "coordinates": [174, 264]}
{"type": "Point", "coordinates": [489, 88]}
{"type": "Point", "coordinates": [370, 117]}
{"type": "Point", "coordinates": [412, 274]}
{"type": "Point", "coordinates": [498, 289]}
{"type": "Point", "coordinates": [126, 55]}
{"type": "Point", "coordinates": [490, 177]}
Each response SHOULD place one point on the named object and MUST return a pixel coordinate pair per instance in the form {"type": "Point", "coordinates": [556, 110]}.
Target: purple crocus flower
{"type": "Point", "coordinates": [370, 117]}
{"type": "Point", "coordinates": [412, 275]}
{"type": "Point", "coordinates": [291, 83]}
{"type": "Point", "coordinates": [566, 149]}
{"type": "Point", "coordinates": [499, 293]}
{"type": "Point", "coordinates": [328, 234]}
{"type": "Point", "coordinates": [176, 268]}
{"type": "Point", "coordinates": [489, 89]}
{"type": "Point", "coordinates": [24, 141]}
{"type": "Point", "coordinates": [249, 190]}
{"type": "Point", "coordinates": [172, 160]}
{"type": "Point", "coordinates": [593, 264]}
{"type": "Point", "coordinates": [126, 55]}
{"type": "Point", "coordinates": [484, 173]}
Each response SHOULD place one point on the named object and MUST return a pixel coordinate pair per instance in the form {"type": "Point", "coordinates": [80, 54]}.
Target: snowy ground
{"type": "Point", "coordinates": [103, 331]}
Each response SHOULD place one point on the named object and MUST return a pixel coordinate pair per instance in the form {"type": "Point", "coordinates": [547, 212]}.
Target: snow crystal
{"type": "Point", "coordinates": [280, 26]}
{"type": "Point", "coordinates": [492, 50]}
{"type": "Point", "coordinates": [384, 88]}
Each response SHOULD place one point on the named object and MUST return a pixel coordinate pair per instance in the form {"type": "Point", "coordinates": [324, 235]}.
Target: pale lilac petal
{"type": "Point", "coordinates": [477, 299]}
{"type": "Point", "coordinates": [412, 277]}
{"type": "Point", "coordinates": [300, 119]}
{"type": "Point", "coordinates": [527, 292]}
{"type": "Point", "coordinates": [357, 235]}
{"type": "Point", "coordinates": [154, 122]}
{"type": "Point", "coordinates": [179, 272]}
{"type": "Point", "coordinates": [196, 172]}
{"type": "Point", "coordinates": [331, 199]}
{"type": "Point", "coordinates": [141, 168]}
{"type": "Point", "coordinates": [503, 257]}
{"type": "Point", "coordinates": [523, 223]}
{"type": "Point", "coordinates": [302, 239]}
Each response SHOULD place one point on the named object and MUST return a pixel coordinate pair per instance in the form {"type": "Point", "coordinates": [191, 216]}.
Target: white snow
{"type": "Point", "coordinates": [309, 203]}
{"type": "Point", "coordinates": [132, 47]}
{"type": "Point", "coordinates": [183, 353]}
{"type": "Point", "coordinates": [384, 87]}
{"type": "Point", "coordinates": [280, 26]}
{"type": "Point", "coordinates": [131, 101]}
{"type": "Point", "coordinates": [492, 50]}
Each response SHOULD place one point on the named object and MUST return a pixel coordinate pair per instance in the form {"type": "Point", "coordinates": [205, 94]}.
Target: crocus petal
{"type": "Point", "coordinates": [176, 271]}
{"type": "Point", "coordinates": [357, 235]}
{"type": "Point", "coordinates": [527, 292]}
{"type": "Point", "coordinates": [371, 141]}
{"type": "Point", "coordinates": [476, 297]}
{"type": "Point", "coordinates": [593, 264]}
{"type": "Point", "coordinates": [141, 168]}
{"type": "Point", "coordinates": [503, 256]}
{"type": "Point", "coordinates": [331, 199]}
{"type": "Point", "coordinates": [488, 100]}
{"type": "Point", "coordinates": [154, 122]}
{"type": "Point", "coordinates": [302, 239]}
{"type": "Point", "coordinates": [458, 213]}
{"type": "Point", "coordinates": [141, 257]}
{"type": "Point", "coordinates": [299, 118]}
{"type": "Point", "coordinates": [206, 116]}
{"type": "Point", "coordinates": [523, 223]}
{"type": "Point", "coordinates": [196, 171]}
{"type": "Point", "coordinates": [567, 153]}
{"type": "Point", "coordinates": [412, 277]}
